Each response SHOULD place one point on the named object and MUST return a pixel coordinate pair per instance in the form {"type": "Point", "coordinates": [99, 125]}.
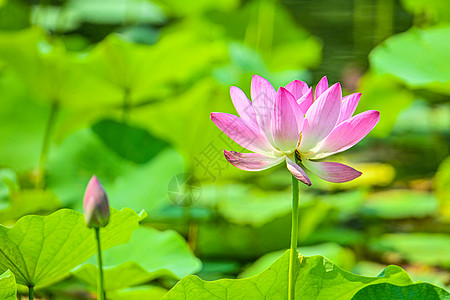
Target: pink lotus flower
{"type": "Point", "coordinates": [282, 125]}
{"type": "Point", "coordinates": [95, 204]}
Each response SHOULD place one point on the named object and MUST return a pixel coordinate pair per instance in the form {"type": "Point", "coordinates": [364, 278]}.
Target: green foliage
{"type": "Point", "coordinates": [236, 240]}
{"type": "Point", "coordinates": [140, 292]}
{"type": "Point", "coordinates": [181, 8]}
{"type": "Point", "coordinates": [385, 94]}
{"type": "Point", "coordinates": [142, 186]}
{"type": "Point", "coordinates": [8, 290]}
{"type": "Point", "coordinates": [54, 18]}
{"type": "Point", "coordinates": [24, 128]}
{"type": "Point", "coordinates": [132, 143]}
{"type": "Point", "coordinates": [16, 201]}
{"type": "Point", "coordinates": [148, 255]}
{"type": "Point", "coordinates": [246, 61]}
{"type": "Point", "coordinates": [146, 71]}
{"type": "Point", "coordinates": [442, 187]}
{"type": "Point", "coordinates": [51, 73]}
{"type": "Point", "coordinates": [112, 12]}
{"type": "Point", "coordinates": [268, 27]}
{"type": "Point", "coordinates": [317, 278]}
{"type": "Point", "coordinates": [387, 291]}
{"type": "Point", "coordinates": [343, 257]}
{"type": "Point", "coordinates": [433, 11]}
{"type": "Point", "coordinates": [429, 118]}
{"type": "Point", "coordinates": [42, 249]}
{"type": "Point", "coordinates": [417, 57]}
{"type": "Point", "coordinates": [71, 16]}
{"type": "Point", "coordinates": [28, 201]}
{"type": "Point", "coordinates": [428, 248]}
{"type": "Point", "coordinates": [243, 206]}
{"type": "Point", "coordinates": [200, 100]}
{"type": "Point", "coordinates": [135, 82]}
{"type": "Point", "coordinates": [396, 204]}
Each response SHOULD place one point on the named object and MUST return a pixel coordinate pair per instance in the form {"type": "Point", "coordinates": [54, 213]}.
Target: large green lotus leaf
{"type": "Point", "coordinates": [82, 154]}
{"type": "Point", "coordinates": [8, 290]}
{"type": "Point", "coordinates": [396, 204]}
{"type": "Point", "coordinates": [343, 257]}
{"type": "Point", "coordinates": [148, 255]}
{"type": "Point", "coordinates": [419, 57]}
{"type": "Point", "coordinates": [271, 284]}
{"type": "Point", "coordinates": [387, 291]}
{"type": "Point", "coordinates": [146, 72]}
{"type": "Point", "coordinates": [52, 73]}
{"type": "Point", "coordinates": [421, 248]}
{"type": "Point", "coordinates": [317, 278]}
{"type": "Point", "coordinates": [140, 292]}
{"type": "Point", "coordinates": [42, 249]}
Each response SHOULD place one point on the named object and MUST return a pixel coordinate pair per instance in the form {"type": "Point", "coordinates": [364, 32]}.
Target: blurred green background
{"type": "Point", "coordinates": [124, 88]}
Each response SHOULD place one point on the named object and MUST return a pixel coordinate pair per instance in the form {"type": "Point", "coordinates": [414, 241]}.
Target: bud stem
{"type": "Point", "coordinates": [100, 284]}
{"type": "Point", "coordinates": [294, 237]}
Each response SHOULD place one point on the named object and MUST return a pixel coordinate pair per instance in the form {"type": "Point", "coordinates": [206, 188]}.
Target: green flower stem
{"type": "Point", "coordinates": [294, 236]}
{"type": "Point", "coordinates": [100, 284]}
{"type": "Point", "coordinates": [46, 145]}
{"type": "Point", "coordinates": [30, 292]}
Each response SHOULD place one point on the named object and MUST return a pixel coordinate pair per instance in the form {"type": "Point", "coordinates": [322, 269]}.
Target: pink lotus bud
{"type": "Point", "coordinates": [95, 204]}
